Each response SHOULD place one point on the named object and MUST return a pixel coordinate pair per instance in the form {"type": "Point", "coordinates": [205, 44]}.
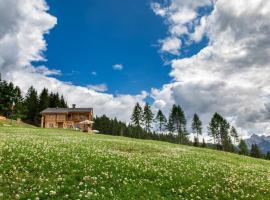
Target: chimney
{"type": "Point", "coordinates": [73, 106]}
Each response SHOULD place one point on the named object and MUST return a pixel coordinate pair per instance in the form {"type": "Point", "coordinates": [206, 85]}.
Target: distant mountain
{"type": "Point", "coordinates": [263, 142]}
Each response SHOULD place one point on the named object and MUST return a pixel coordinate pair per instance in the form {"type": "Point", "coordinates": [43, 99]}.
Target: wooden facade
{"type": "Point", "coordinates": [67, 118]}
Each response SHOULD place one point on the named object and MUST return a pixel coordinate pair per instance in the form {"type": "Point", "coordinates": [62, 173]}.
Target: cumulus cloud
{"type": "Point", "coordinates": [118, 67]}
{"type": "Point", "coordinates": [23, 24]}
{"type": "Point", "coordinates": [231, 74]}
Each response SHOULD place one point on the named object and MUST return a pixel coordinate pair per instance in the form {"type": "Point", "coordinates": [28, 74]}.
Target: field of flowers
{"type": "Point", "coordinates": [62, 164]}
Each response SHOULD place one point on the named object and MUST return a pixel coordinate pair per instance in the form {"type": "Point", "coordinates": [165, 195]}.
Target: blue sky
{"type": "Point", "coordinates": [92, 36]}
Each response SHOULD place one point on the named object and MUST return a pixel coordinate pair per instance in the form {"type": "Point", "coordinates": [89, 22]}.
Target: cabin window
{"type": "Point", "coordinates": [69, 116]}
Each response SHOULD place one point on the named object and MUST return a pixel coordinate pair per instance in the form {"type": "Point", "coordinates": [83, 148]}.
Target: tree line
{"type": "Point", "coordinates": [144, 124]}
{"type": "Point", "coordinates": [14, 106]}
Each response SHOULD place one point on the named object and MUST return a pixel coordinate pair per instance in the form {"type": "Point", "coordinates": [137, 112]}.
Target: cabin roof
{"type": "Point", "coordinates": [66, 110]}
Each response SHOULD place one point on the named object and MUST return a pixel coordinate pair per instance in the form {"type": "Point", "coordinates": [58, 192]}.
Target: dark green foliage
{"type": "Point", "coordinates": [31, 106]}
{"type": "Point", "coordinates": [203, 144]}
{"type": "Point", "coordinates": [14, 106]}
{"type": "Point", "coordinates": [147, 117]}
{"type": "Point", "coordinates": [137, 115]}
{"type": "Point", "coordinates": [109, 126]}
{"type": "Point", "coordinates": [243, 149]}
{"type": "Point", "coordinates": [234, 134]}
{"type": "Point", "coordinates": [218, 129]}
{"type": "Point", "coordinates": [196, 127]}
{"type": "Point", "coordinates": [267, 156]}
{"type": "Point", "coordinates": [11, 101]}
{"type": "Point", "coordinates": [177, 124]}
{"type": "Point", "coordinates": [255, 151]}
{"type": "Point", "coordinates": [161, 121]}
{"type": "Point", "coordinates": [196, 142]}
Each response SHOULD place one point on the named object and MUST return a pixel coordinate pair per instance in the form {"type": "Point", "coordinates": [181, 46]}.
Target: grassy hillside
{"type": "Point", "coordinates": [62, 164]}
{"type": "Point", "coordinates": [14, 123]}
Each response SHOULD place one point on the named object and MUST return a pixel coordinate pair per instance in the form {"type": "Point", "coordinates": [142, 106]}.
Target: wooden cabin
{"type": "Point", "coordinates": [73, 118]}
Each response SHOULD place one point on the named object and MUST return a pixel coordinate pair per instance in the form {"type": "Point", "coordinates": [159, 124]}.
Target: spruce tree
{"type": "Point", "coordinates": [161, 120]}
{"type": "Point", "coordinates": [196, 126]}
{"type": "Point", "coordinates": [44, 99]}
{"type": "Point", "coordinates": [136, 117]}
{"type": "Point", "coordinates": [203, 143]}
{"type": "Point", "coordinates": [234, 134]}
{"type": "Point", "coordinates": [218, 129]}
{"type": "Point", "coordinates": [31, 105]}
{"type": "Point", "coordinates": [147, 117]}
{"type": "Point", "coordinates": [255, 151]}
{"type": "Point", "coordinates": [267, 156]}
{"type": "Point", "coordinates": [243, 149]}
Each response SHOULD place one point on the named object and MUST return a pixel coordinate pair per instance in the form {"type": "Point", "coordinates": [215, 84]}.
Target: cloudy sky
{"type": "Point", "coordinates": [206, 55]}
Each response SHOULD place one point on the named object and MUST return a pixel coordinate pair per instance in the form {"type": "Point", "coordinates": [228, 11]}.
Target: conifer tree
{"type": "Point", "coordinates": [218, 129]}
{"type": "Point", "coordinates": [31, 105]}
{"type": "Point", "coordinates": [255, 151]}
{"type": "Point", "coordinates": [196, 126]}
{"type": "Point", "coordinates": [44, 99]}
{"type": "Point", "coordinates": [203, 143]}
{"type": "Point", "coordinates": [147, 117]}
{"type": "Point", "coordinates": [234, 134]}
{"type": "Point", "coordinates": [161, 120]}
{"type": "Point", "coordinates": [267, 156]}
{"type": "Point", "coordinates": [243, 149]}
{"type": "Point", "coordinates": [136, 117]}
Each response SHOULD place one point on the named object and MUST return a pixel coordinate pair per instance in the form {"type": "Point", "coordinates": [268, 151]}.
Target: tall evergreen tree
{"type": "Point", "coordinates": [243, 149]}
{"type": "Point", "coordinates": [136, 117]}
{"type": "Point", "coordinates": [31, 105]}
{"type": "Point", "coordinates": [255, 151]}
{"type": "Point", "coordinates": [218, 129]}
{"type": "Point", "coordinates": [44, 99]}
{"type": "Point", "coordinates": [161, 120]}
{"type": "Point", "coordinates": [196, 126]}
{"type": "Point", "coordinates": [177, 123]}
{"type": "Point", "coordinates": [234, 134]}
{"type": "Point", "coordinates": [267, 156]}
{"type": "Point", "coordinates": [147, 117]}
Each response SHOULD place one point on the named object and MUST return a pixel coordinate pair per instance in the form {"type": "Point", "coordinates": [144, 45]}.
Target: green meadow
{"type": "Point", "coordinates": [63, 164]}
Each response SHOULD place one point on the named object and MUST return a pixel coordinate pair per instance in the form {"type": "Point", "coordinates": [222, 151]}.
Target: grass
{"type": "Point", "coordinates": [62, 164]}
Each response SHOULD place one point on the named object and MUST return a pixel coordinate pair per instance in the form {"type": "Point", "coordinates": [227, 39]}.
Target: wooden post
{"type": "Point", "coordinates": [42, 122]}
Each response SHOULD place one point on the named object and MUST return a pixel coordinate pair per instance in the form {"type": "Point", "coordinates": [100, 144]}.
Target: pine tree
{"type": "Point", "coordinates": [136, 117]}
{"type": "Point", "coordinates": [161, 120]}
{"type": "Point", "coordinates": [234, 134]}
{"type": "Point", "coordinates": [44, 100]}
{"type": "Point", "coordinates": [177, 123]}
{"type": "Point", "coordinates": [243, 149]}
{"type": "Point", "coordinates": [255, 151]}
{"type": "Point", "coordinates": [196, 126]}
{"type": "Point", "coordinates": [31, 102]}
{"type": "Point", "coordinates": [218, 129]}
{"type": "Point", "coordinates": [203, 143]}
{"type": "Point", "coordinates": [147, 117]}
{"type": "Point", "coordinates": [267, 156]}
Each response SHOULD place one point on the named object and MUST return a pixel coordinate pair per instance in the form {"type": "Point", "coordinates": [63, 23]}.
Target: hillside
{"type": "Point", "coordinates": [62, 164]}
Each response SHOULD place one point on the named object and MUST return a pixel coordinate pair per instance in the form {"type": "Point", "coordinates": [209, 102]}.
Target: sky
{"type": "Point", "coordinates": [205, 55]}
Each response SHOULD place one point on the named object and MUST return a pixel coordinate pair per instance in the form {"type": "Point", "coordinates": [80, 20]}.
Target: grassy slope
{"type": "Point", "coordinates": [62, 164]}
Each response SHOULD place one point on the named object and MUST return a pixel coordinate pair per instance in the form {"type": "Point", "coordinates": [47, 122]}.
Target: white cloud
{"type": "Point", "coordinates": [99, 87]}
{"type": "Point", "coordinates": [23, 24]}
{"type": "Point", "coordinates": [231, 74]}
{"type": "Point", "coordinates": [171, 45]}
{"type": "Point", "coordinates": [47, 72]}
{"type": "Point", "coordinates": [118, 67]}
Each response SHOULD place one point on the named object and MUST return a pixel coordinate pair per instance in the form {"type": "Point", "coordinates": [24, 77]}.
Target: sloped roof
{"type": "Point", "coordinates": [66, 110]}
